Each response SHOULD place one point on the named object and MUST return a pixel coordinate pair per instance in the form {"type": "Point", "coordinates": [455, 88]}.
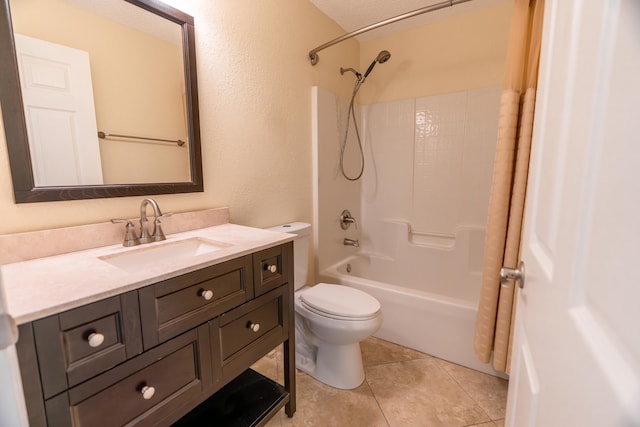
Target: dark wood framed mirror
{"type": "Point", "coordinates": [27, 189]}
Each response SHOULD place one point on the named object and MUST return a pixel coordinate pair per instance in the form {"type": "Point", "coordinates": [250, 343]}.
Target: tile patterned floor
{"type": "Point", "coordinates": [402, 388]}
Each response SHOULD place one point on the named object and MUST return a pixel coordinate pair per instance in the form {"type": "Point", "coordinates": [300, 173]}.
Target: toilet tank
{"type": "Point", "coordinates": [301, 243]}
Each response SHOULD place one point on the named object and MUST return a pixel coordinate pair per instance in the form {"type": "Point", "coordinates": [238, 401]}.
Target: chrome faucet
{"type": "Point", "coordinates": [351, 242]}
{"type": "Point", "coordinates": [157, 234]}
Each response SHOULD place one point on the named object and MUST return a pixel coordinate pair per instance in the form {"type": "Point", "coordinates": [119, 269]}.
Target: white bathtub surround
{"type": "Point", "coordinates": [337, 194]}
{"type": "Point", "coordinates": [421, 213]}
{"type": "Point", "coordinates": [430, 161]}
{"type": "Point", "coordinates": [451, 270]}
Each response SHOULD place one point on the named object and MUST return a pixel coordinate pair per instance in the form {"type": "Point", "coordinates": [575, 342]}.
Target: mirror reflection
{"type": "Point", "coordinates": [88, 68]}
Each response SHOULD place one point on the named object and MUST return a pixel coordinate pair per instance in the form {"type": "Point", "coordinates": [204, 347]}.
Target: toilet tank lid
{"type": "Point", "coordinates": [299, 228]}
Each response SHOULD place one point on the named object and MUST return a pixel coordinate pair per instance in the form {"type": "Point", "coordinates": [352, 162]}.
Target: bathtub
{"type": "Point", "coordinates": [441, 324]}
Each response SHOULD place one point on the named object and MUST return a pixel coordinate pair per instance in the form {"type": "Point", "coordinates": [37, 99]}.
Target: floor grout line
{"type": "Point", "coordinates": [386, 420]}
{"type": "Point", "coordinates": [396, 361]}
{"type": "Point", "coordinates": [465, 392]}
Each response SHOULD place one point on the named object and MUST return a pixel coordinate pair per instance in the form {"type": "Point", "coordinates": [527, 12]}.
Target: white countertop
{"type": "Point", "coordinates": [41, 287]}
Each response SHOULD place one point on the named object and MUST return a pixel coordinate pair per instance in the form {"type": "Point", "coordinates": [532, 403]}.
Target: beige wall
{"type": "Point", "coordinates": [255, 95]}
{"type": "Point", "coordinates": [255, 84]}
{"type": "Point", "coordinates": [454, 54]}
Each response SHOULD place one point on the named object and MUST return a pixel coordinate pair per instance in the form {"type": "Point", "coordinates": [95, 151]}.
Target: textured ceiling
{"type": "Point", "coordinates": [355, 14]}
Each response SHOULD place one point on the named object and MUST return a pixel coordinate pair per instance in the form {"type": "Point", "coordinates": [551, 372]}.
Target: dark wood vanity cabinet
{"type": "Point", "coordinates": [156, 354]}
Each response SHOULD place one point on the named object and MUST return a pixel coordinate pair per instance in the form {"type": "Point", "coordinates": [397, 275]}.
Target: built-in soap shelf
{"type": "Point", "coordinates": [424, 238]}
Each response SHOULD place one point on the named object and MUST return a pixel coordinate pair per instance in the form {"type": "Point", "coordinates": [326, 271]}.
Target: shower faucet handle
{"type": "Point", "coordinates": [346, 220]}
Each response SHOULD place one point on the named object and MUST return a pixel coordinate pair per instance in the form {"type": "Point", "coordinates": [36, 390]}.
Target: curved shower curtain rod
{"type": "Point", "coordinates": [313, 54]}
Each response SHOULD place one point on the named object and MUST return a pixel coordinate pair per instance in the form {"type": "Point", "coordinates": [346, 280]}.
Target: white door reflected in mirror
{"type": "Point", "coordinates": [59, 110]}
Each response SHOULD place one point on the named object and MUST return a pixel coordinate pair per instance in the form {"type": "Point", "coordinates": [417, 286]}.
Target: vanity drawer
{"type": "Point", "coordinates": [176, 305]}
{"type": "Point", "coordinates": [78, 344]}
{"type": "Point", "coordinates": [271, 268]}
{"type": "Point", "coordinates": [245, 334]}
{"type": "Point", "coordinates": [249, 327]}
{"type": "Point", "coordinates": [173, 373]}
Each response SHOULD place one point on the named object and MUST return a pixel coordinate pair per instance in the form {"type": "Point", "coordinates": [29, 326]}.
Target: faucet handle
{"type": "Point", "coordinates": [130, 238]}
{"type": "Point", "coordinates": [346, 220]}
{"type": "Point", "coordinates": [157, 234]}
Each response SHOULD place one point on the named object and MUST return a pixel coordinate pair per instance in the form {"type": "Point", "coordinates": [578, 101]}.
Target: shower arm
{"type": "Point", "coordinates": [313, 54]}
{"type": "Point", "coordinates": [344, 70]}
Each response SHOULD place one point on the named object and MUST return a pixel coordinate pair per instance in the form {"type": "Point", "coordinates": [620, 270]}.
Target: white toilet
{"type": "Point", "coordinates": [331, 320]}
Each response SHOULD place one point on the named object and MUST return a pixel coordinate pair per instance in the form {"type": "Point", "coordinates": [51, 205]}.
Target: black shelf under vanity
{"type": "Point", "coordinates": [248, 401]}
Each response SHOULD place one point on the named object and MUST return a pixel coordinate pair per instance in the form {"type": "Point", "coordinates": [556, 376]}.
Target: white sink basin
{"type": "Point", "coordinates": [150, 256]}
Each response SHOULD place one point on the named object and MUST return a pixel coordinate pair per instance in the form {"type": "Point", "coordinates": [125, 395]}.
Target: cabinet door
{"type": "Point", "coordinates": [81, 343]}
{"type": "Point", "coordinates": [176, 305]}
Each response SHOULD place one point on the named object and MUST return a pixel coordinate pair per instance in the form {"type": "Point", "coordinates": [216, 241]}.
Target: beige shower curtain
{"type": "Point", "coordinates": [496, 311]}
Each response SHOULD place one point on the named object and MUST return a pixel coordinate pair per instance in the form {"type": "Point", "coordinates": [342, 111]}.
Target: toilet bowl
{"type": "Point", "coordinates": [334, 335]}
{"type": "Point", "coordinates": [331, 320]}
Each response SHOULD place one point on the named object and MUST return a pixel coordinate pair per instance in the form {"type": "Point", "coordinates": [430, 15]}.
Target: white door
{"type": "Point", "coordinates": [59, 110]}
{"type": "Point", "coordinates": [13, 411]}
{"type": "Point", "coordinates": [576, 354]}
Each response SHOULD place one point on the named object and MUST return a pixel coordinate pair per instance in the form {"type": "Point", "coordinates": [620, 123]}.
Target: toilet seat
{"type": "Point", "coordinates": [340, 302]}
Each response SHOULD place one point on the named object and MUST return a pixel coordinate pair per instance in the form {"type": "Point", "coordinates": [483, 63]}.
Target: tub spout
{"type": "Point", "coordinates": [351, 242]}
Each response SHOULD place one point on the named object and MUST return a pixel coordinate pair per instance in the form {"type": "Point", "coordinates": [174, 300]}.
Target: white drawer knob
{"type": "Point", "coordinates": [272, 268]}
{"type": "Point", "coordinates": [255, 327]}
{"type": "Point", "coordinates": [147, 392]}
{"type": "Point", "coordinates": [206, 294]}
{"type": "Point", "coordinates": [95, 339]}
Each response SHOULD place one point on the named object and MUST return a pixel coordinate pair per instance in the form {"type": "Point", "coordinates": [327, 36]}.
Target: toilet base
{"type": "Point", "coordinates": [338, 366]}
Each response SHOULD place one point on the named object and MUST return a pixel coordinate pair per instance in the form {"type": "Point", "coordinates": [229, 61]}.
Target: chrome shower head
{"type": "Point", "coordinates": [382, 57]}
